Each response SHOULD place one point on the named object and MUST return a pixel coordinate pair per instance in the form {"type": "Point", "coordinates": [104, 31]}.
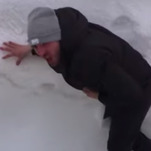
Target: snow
{"type": "Point", "coordinates": [38, 110]}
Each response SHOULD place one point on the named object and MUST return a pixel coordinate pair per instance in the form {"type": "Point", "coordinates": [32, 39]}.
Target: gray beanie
{"type": "Point", "coordinates": [43, 26]}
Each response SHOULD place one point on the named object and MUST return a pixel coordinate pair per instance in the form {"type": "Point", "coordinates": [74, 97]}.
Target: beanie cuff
{"type": "Point", "coordinates": [44, 39]}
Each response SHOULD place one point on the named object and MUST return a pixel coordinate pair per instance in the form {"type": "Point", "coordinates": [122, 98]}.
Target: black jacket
{"type": "Point", "coordinates": [93, 57]}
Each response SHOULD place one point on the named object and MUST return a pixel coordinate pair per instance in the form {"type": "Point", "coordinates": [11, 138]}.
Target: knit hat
{"type": "Point", "coordinates": [43, 26]}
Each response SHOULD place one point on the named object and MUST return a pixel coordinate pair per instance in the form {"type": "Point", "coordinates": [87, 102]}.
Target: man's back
{"type": "Point", "coordinates": [87, 46]}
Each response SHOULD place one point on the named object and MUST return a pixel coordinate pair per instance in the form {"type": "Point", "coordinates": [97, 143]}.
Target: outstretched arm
{"type": "Point", "coordinates": [16, 50]}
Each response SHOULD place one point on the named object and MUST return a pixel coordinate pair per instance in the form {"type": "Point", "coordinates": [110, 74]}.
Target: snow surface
{"type": "Point", "coordinates": [38, 110]}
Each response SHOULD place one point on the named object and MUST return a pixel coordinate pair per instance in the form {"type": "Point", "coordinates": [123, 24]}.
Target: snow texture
{"type": "Point", "coordinates": [38, 110]}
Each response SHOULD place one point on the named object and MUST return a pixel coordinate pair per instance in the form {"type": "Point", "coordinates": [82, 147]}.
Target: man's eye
{"type": "Point", "coordinates": [35, 49]}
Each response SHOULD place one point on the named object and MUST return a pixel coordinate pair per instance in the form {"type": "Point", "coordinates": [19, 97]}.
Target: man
{"type": "Point", "coordinates": [96, 61]}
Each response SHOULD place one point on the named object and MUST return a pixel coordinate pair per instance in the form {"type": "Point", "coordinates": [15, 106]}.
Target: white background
{"type": "Point", "coordinates": [38, 110]}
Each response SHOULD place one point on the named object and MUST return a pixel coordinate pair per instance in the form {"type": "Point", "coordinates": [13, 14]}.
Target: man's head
{"type": "Point", "coordinates": [44, 34]}
{"type": "Point", "coordinates": [49, 51]}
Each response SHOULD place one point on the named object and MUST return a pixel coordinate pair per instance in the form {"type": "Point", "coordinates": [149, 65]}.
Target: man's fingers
{"type": "Point", "coordinates": [5, 49]}
{"type": "Point", "coordinates": [13, 43]}
{"type": "Point", "coordinates": [1, 48]}
{"type": "Point", "coordinates": [8, 44]}
{"type": "Point", "coordinates": [8, 56]}
{"type": "Point", "coordinates": [18, 61]}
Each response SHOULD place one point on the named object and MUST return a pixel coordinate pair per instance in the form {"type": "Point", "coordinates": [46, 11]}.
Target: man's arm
{"type": "Point", "coordinates": [17, 50]}
{"type": "Point", "coordinates": [120, 86]}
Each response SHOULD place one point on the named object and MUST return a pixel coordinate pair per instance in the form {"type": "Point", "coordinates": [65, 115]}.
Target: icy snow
{"type": "Point", "coordinates": [38, 110]}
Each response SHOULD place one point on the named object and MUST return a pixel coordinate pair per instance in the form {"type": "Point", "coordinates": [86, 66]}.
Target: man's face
{"type": "Point", "coordinates": [49, 51]}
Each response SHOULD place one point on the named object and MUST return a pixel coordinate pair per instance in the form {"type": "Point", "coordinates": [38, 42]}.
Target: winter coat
{"type": "Point", "coordinates": [94, 57]}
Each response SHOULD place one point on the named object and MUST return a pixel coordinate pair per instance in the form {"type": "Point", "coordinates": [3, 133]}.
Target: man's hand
{"type": "Point", "coordinates": [90, 93]}
{"type": "Point", "coordinates": [16, 50]}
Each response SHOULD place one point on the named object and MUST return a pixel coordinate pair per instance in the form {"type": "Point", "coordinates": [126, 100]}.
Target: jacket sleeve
{"type": "Point", "coordinates": [120, 88]}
